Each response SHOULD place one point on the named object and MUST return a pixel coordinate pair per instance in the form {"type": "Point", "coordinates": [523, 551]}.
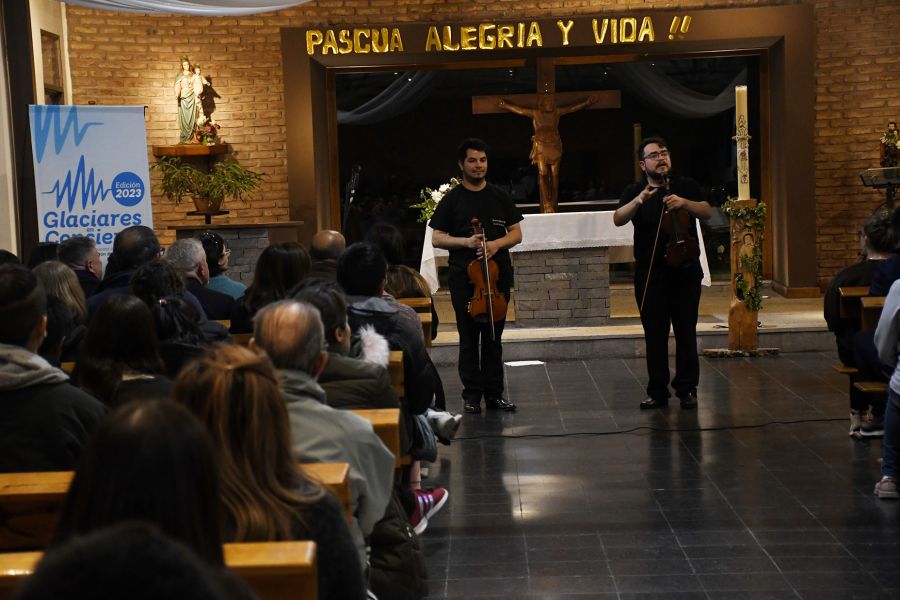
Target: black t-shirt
{"type": "Point", "coordinates": [646, 219]}
{"type": "Point", "coordinates": [493, 208]}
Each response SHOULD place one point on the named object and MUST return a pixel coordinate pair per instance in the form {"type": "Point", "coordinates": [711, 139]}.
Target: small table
{"type": "Point", "coordinates": [207, 215]}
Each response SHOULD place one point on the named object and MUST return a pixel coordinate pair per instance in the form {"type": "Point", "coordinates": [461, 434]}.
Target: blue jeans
{"type": "Point", "coordinates": [891, 445]}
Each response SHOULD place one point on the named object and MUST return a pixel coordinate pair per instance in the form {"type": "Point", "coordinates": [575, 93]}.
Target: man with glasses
{"type": "Point", "coordinates": [666, 295]}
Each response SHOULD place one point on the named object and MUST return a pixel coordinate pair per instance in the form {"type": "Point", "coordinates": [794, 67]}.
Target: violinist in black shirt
{"type": "Point", "coordinates": [480, 368]}
{"type": "Point", "coordinates": [667, 289]}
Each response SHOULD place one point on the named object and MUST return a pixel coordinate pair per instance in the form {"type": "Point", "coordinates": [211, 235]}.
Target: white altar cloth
{"type": "Point", "coordinates": [557, 231]}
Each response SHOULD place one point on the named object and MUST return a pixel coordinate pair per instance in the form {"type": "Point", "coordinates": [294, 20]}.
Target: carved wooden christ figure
{"type": "Point", "coordinates": [546, 145]}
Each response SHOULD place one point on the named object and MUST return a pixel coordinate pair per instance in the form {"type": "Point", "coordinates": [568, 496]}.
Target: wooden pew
{"type": "Point", "coordinates": [422, 306]}
{"type": "Point", "coordinates": [395, 368]}
{"type": "Point", "coordinates": [386, 423]}
{"type": "Point", "coordinates": [336, 478]}
{"type": "Point", "coordinates": [223, 322]}
{"type": "Point", "coordinates": [68, 367]}
{"type": "Point", "coordinates": [870, 312]}
{"type": "Point", "coordinates": [30, 503]}
{"type": "Point", "coordinates": [242, 339]}
{"type": "Point", "coordinates": [273, 570]}
{"type": "Point", "coordinates": [850, 305]}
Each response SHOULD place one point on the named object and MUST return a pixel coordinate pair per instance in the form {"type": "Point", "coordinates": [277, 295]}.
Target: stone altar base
{"type": "Point", "coordinates": [562, 288]}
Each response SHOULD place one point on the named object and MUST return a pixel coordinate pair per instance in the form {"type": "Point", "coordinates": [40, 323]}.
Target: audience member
{"type": "Point", "coordinates": [60, 282]}
{"type": "Point", "coordinates": [877, 239]}
{"type": "Point", "coordinates": [42, 251]}
{"type": "Point", "coordinates": [887, 337]}
{"type": "Point", "coordinates": [157, 284]}
{"type": "Point", "coordinates": [150, 461]}
{"type": "Point", "coordinates": [361, 271]}
{"type": "Point", "coordinates": [119, 359]}
{"type": "Point", "coordinates": [279, 268]}
{"type": "Point", "coordinates": [131, 560]}
{"type": "Point", "coordinates": [353, 382]}
{"type": "Point", "coordinates": [133, 247]}
{"type": "Point", "coordinates": [404, 282]}
{"type": "Point", "coordinates": [292, 335]}
{"type": "Point", "coordinates": [80, 254]}
{"type": "Point", "coordinates": [324, 249]}
{"type": "Point", "coordinates": [389, 240]}
{"type": "Point", "coordinates": [266, 495]}
{"type": "Point", "coordinates": [188, 257]}
{"type": "Point", "coordinates": [44, 421]}
{"type": "Point", "coordinates": [60, 325]}
{"type": "Point", "coordinates": [217, 256]}
{"type": "Point", "coordinates": [8, 258]}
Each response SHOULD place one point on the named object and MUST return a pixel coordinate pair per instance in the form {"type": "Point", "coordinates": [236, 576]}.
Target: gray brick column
{"type": "Point", "coordinates": [246, 246]}
{"type": "Point", "coordinates": [562, 288]}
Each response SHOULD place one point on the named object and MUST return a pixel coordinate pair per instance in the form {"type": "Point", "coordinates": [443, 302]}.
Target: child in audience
{"type": "Point", "coordinates": [266, 495]}
{"type": "Point", "coordinates": [119, 359]}
{"type": "Point", "coordinates": [279, 268]}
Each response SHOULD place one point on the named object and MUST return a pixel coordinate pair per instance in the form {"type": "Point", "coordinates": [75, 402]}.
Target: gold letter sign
{"type": "Point", "coordinates": [494, 36]}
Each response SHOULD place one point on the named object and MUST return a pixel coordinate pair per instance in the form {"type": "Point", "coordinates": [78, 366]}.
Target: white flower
{"type": "Point", "coordinates": [444, 188]}
{"type": "Point", "coordinates": [436, 195]}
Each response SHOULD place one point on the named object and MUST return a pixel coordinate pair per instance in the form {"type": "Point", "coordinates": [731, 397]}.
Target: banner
{"type": "Point", "coordinates": [90, 171]}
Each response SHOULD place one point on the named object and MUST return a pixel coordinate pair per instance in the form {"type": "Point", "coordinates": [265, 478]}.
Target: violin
{"type": "Point", "coordinates": [487, 303]}
{"type": "Point", "coordinates": [682, 247]}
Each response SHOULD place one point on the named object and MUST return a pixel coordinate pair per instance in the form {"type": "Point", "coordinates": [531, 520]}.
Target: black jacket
{"type": "Point", "coordinates": [216, 305]}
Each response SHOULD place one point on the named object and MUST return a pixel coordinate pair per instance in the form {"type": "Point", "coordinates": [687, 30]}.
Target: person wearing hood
{"type": "Point", "coordinates": [293, 336]}
{"type": "Point", "coordinates": [361, 271]}
{"type": "Point", "coordinates": [45, 421]}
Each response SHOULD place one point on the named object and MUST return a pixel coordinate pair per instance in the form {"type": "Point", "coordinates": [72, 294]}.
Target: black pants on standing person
{"type": "Point", "coordinates": [480, 356]}
{"type": "Point", "coordinates": [673, 299]}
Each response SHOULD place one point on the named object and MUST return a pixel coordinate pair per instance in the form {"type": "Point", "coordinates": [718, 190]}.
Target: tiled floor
{"type": "Point", "coordinates": [783, 511]}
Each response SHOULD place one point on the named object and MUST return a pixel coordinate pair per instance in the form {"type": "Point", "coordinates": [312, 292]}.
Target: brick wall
{"type": "Point", "coordinates": [120, 58]}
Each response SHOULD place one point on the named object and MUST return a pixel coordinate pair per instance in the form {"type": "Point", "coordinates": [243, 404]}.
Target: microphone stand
{"type": "Point", "coordinates": [349, 196]}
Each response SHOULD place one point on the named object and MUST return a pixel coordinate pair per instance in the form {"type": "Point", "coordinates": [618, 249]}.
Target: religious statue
{"type": "Point", "coordinates": [187, 102]}
{"type": "Point", "coordinates": [546, 148]}
{"type": "Point", "coordinates": [890, 146]}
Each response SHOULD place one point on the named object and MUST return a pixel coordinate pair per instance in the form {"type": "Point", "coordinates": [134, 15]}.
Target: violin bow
{"type": "Point", "coordinates": [662, 214]}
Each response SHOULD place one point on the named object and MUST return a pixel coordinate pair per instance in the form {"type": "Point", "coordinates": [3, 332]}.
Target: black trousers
{"type": "Point", "coordinates": [480, 357]}
{"type": "Point", "coordinates": [673, 299]}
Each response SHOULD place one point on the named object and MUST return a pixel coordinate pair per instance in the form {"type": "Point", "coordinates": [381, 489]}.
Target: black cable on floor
{"type": "Point", "coordinates": [643, 427]}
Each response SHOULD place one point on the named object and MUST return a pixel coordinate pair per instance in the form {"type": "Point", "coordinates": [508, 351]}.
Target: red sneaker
{"type": "Point", "coordinates": [428, 502]}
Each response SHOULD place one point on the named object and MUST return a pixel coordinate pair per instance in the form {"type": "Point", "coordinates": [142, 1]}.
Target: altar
{"type": "Point", "coordinates": [561, 267]}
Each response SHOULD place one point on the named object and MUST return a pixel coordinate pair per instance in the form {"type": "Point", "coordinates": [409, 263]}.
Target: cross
{"type": "Point", "coordinates": [545, 109]}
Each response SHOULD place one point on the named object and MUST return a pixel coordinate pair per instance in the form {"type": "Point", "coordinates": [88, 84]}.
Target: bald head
{"type": "Point", "coordinates": [327, 245]}
{"type": "Point", "coordinates": [292, 334]}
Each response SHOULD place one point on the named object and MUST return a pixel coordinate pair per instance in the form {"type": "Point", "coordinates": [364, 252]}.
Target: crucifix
{"type": "Point", "coordinates": [544, 109]}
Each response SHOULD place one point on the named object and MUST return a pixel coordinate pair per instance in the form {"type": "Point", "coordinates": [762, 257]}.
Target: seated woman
{"type": "Point", "coordinates": [150, 461]}
{"type": "Point", "coordinates": [217, 253]}
{"type": "Point", "coordinates": [61, 282]}
{"type": "Point", "coordinates": [404, 282]}
{"type": "Point", "coordinates": [279, 268]}
{"type": "Point", "coordinates": [266, 495]}
{"type": "Point", "coordinates": [119, 359]}
{"type": "Point", "coordinates": [183, 334]}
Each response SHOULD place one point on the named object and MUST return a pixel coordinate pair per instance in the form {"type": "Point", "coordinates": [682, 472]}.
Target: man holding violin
{"type": "Point", "coordinates": [480, 349]}
{"type": "Point", "coordinates": [668, 272]}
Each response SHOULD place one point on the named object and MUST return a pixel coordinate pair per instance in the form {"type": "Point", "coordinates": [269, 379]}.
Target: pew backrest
{"type": "Point", "coordinates": [870, 312]}
{"type": "Point", "coordinates": [273, 570]}
{"type": "Point", "coordinates": [386, 423]}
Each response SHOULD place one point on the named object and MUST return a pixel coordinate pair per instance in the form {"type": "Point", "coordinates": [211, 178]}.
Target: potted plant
{"type": "Point", "coordinates": [208, 190]}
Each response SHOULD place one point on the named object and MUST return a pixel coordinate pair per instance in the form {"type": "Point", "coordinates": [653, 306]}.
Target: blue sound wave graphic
{"type": "Point", "coordinates": [49, 116]}
{"type": "Point", "coordinates": [69, 190]}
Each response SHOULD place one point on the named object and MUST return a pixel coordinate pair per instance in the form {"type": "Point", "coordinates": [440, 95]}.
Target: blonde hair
{"type": "Point", "coordinates": [404, 282]}
{"type": "Point", "coordinates": [234, 392]}
{"type": "Point", "coordinates": [61, 281]}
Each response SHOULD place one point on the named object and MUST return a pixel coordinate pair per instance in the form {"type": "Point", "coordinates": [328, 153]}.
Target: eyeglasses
{"type": "Point", "coordinates": [657, 155]}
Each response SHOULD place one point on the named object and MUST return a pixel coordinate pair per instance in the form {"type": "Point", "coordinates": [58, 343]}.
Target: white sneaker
{"type": "Point", "coordinates": [887, 488]}
{"type": "Point", "coordinates": [443, 423]}
{"type": "Point", "coordinates": [855, 421]}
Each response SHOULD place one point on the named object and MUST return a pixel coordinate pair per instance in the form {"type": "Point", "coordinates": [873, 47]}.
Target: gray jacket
{"type": "Point", "coordinates": [323, 434]}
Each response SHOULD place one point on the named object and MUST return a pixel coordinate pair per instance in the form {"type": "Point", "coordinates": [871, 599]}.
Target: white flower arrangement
{"type": "Point", "coordinates": [431, 198]}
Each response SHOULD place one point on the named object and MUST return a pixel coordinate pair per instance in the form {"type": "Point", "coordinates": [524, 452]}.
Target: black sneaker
{"type": "Point", "coordinates": [651, 403]}
{"type": "Point", "coordinates": [472, 407]}
{"type": "Point", "coordinates": [874, 428]}
{"type": "Point", "coordinates": [499, 403]}
{"type": "Point", "coordinates": [688, 401]}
